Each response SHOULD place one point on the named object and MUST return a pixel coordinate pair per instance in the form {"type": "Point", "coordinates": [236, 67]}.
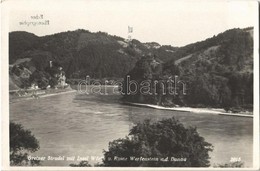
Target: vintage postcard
{"type": "Point", "coordinates": [129, 85]}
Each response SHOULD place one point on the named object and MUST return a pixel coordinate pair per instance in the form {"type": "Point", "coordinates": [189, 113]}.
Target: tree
{"type": "Point", "coordinates": [40, 78]}
{"type": "Point", "coordinates": [164, 139]}
{"type": "Point", "coordinates": [21, 143]}
{"type": "Point", "coordinates": [53, 82]}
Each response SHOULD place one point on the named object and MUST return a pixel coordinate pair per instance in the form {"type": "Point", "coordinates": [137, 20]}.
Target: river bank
{"type": "Point", "coordinates": [21, 95]}
{"type": "Point", "coordinates": [214, 111]}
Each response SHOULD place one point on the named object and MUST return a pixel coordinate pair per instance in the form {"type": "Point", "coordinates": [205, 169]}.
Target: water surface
{"type": "Point", "coordinates": [83, 125]}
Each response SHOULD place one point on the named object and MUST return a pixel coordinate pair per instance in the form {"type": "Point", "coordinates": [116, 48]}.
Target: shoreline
{"type": "Point", "coordinates": [46, 94]}
{"type": "Point", "coordinates": [213, 111]}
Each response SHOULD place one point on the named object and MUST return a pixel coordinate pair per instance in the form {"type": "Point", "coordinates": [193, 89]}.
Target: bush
{"type": "Point", "coordinates": [164, 139]}
{"type": "Point", "coordinates": [21, 143]}
{"type": "Point", "coordinates": [43, 83]}
{"type": "Point", "coordinates": [53, 82]}
{"type": "Point", "coordinates": [41, 78]}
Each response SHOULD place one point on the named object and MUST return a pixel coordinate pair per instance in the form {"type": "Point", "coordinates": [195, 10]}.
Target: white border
{"type": "Point", "coordinates": [256, 90]}
{"type": "Point", "coordinates": [5, 104]}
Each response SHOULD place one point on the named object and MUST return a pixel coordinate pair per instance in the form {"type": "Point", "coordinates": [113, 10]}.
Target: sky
{"type": "Point", "coordinates": [168, 22]}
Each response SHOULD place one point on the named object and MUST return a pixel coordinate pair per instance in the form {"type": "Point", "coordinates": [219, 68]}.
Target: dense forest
{"type": "Point", "coordinates": [83, 53]}
{"type": "Point", "coordinates": [217, 72]}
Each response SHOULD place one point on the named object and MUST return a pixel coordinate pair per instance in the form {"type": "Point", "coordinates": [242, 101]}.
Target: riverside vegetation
{"type": "Point", "coordinates": [164, 139]}
{"type": "Point", "coordinates": [165, 143]}
{"type": "Point", "coordinates": [218, 72]}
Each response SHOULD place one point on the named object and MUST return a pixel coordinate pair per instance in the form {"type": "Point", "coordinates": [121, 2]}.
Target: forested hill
{"type": "Point", "coordinates": [217, 72]}
{"type": "Point", "coordinates": [232, 45]}
{"type": "Point", "coordinates": [83, 53]}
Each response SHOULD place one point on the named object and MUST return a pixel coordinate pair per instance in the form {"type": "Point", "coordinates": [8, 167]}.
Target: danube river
{"type": "Point", "coordinates": [82, 125]}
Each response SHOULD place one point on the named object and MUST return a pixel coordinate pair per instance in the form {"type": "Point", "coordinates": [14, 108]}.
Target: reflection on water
{"type": "Point", "coordinates": [82, 125]}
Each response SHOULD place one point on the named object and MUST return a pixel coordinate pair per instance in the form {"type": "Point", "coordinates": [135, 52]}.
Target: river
{"type": "Point", "coordinates": [82, 125]}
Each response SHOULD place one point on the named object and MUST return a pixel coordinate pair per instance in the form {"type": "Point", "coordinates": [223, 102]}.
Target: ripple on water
{"type": "Point", "coordinates": [70, 124]}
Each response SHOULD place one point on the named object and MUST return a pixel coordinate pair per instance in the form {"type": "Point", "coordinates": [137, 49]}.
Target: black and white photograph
{"type": "Point", "coordinates": [111, 84]}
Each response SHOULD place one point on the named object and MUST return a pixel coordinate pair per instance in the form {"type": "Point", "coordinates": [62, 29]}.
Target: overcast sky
{"type": "Point", "coordinates": [168, 22]}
